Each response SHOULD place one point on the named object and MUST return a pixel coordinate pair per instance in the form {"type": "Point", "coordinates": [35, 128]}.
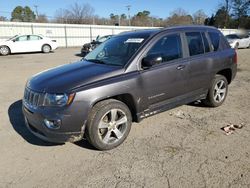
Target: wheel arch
{"type": "Point", "coordinates": [46, 44]}
{"type": "Point", "coordinates": [127, 99]}
{"type": "Point", "coordinates": [227, 73]}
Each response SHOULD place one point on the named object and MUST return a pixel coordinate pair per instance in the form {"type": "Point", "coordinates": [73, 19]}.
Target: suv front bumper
{"type": "Point", "coordinates": [35, 124]}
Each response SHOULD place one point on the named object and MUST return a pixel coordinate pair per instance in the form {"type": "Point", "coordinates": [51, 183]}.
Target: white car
{"type": "Point", "coordinates": [27, 43]}
{"type": "Point", "coordinates": [237, 41]}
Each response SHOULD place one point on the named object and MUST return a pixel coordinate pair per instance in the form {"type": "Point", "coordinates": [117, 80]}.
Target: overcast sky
{"type": "Point", "coordinates": [103, 8]}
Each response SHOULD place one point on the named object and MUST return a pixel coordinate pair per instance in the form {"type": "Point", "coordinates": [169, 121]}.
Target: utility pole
{"type": "Point", "coordinates": [36, 7]}
{"type": "Point", "coordinates": [129, 21]}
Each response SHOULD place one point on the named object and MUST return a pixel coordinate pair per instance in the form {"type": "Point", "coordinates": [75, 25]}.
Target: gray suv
{"type": "Point", "coordinates": [132, 76]}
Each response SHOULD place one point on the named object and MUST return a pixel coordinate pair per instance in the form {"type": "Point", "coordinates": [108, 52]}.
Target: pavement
{"type": "Point", "coordinates": [182, 147]}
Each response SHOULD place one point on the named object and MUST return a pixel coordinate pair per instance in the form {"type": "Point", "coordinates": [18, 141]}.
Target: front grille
{"type": "Point", "coordinates": [33, 99]}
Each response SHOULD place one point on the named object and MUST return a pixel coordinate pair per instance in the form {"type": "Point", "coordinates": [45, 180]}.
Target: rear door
{"type": "Point", "coordinates": [168, 79]}
{"type": "Point", "coordinates": [35, 43]}
{"type": "Point", "coordinates": [200, 63]}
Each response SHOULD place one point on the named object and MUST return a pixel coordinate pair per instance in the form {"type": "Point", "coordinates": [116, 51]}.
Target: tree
{"type": "Point", "coordinates": [210, 21]}
{"type": "Point", "coordinates": [24, 14]}
{"type": "Point", "coordinates": [222, 18]}
{"type": "Point", "coordinates": [142, 19]}
{"type": "Point", "coordinates": [2, 18]}
{"type": "Point", "coordinates": [199, 17]}
{"type": "Point", "coordinates": [179, 17]}
{"type": "Point", "coordinates": [76, 14]}
{"type": "Point", "coordinates": [240, 10]}
{"type": "Point", "coordinates": [42, 18]}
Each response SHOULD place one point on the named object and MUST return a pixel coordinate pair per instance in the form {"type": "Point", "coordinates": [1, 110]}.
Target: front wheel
{"type": "Point", "coordinates": [4, 50]}
{"type": "Point", "coordinates": [217, 92]}
{"type": "Point", "coordinates": [109, 124]}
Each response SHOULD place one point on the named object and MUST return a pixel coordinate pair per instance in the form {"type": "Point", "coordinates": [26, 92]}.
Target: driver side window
{"type": "Point", "coordinates": [168, 47]}
{"type": "Point", "coordinates": [21, 38]}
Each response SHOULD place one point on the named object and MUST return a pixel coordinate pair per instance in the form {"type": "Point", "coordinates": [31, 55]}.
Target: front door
{"type": "Point", "coordinates": [20, 44]}
{"type": "Point", "coordinates": [166, 80]}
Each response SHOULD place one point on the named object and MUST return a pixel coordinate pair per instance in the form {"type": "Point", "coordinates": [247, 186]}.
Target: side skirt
{"type": "Point", "coordinates": [172, 103]}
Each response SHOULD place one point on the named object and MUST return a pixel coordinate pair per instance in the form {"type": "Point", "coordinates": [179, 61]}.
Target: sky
{"type": "Point", "coordinates": [103, 8]}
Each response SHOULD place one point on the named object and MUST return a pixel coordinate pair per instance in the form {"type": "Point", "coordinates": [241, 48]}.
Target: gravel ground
{"type": "Point", "coordinates": [183, 147]}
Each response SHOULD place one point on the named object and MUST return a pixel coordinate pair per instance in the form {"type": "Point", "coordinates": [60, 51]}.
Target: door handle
{"type": "Point", "coordinates": [180, 67]}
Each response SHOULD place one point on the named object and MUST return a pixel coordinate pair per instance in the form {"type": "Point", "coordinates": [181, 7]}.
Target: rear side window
{"type": "Point", "coordinates": [215, 40]}
{"type": "Point", "coordinates": [34, 37]}
{"type": "Point", "coordinates": [169, 47]}
{"type": "Point", "coordinates": [195, 43]}
{"type": "Point", "coordinates": [205, 41]}
{"type": "Point", "coordinates": [218, 41]}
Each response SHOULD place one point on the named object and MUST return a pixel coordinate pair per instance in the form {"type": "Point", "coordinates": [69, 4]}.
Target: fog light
{"type": "Point", "coordinates": [52, 124]}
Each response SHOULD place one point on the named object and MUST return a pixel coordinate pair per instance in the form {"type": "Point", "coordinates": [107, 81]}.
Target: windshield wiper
{"type": "Point", "coordinates": [95, 61]}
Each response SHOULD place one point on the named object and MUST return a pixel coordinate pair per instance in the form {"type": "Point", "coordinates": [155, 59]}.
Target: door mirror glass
{"type": "Point", "coordinates": [151, 60]}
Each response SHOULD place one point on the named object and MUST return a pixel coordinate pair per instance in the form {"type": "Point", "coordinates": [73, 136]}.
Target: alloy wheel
{"type": "Point", "coordinates": [220, 91]}
{"type": "Point", "coordinates": [112, 126]}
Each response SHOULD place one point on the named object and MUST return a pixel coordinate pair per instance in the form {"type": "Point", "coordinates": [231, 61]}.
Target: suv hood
{"type": "Point", "coordinates": [65, 78]}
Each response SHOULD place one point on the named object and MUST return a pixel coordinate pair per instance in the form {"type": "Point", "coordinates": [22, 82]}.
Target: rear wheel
{"type": "Point", "coordinates": [109, 124]}
{"type": "Point", "coordinates": [4, 50]}
{"type": "Point", "coordinates": [46, 48]}
{"type": "Point", "coordinates": [217, 92]}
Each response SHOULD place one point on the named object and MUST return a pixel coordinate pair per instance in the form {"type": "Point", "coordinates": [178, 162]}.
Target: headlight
{"type": "Point", "coordinates": [58, 99]}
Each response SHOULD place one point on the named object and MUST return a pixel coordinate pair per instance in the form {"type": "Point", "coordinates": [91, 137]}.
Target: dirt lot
{"type": "Point", "coordinates": [183, 147]}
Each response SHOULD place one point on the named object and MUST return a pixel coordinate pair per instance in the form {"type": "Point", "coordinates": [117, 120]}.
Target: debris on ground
{"type": "Point", "coordinates": [179, 114]}
{"type": "Point", "coordinates": [230, 128]}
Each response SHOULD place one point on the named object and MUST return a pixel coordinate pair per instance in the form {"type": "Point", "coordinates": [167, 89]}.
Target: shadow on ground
{"type": "Point", "coordinates": [17, 121]}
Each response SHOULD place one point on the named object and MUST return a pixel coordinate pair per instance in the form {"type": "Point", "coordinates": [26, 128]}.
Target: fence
{"type": "Point", "coordinates": [67, 35]}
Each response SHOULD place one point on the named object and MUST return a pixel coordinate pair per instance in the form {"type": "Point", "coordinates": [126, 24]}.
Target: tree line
{"type": "Point", "coordinates": [229, 14]}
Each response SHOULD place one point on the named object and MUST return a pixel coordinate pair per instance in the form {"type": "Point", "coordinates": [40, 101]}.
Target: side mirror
{"type": "Point", "coordinates": [151, 60]}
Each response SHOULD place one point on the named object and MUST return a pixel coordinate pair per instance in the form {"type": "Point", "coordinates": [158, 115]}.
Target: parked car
{"type": "Point", "coordinates": [237, 41]}
{"type": "Point", "coordinates": [131, 76]}
{"type": "Point", "coordinates": [27, 43]}
{"type": "Point", "coordinates": [88, 47]}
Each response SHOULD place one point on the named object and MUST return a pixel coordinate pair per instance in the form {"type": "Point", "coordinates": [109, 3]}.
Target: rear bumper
{"type": "Point", "coordinates": [234, 71]}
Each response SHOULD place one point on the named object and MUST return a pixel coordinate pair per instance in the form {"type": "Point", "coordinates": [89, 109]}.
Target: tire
{"type": "Point", "coordinates": [4, 50]}
{"type": "Point", "coordinates": [109, 124]}
{"type": "Point", "coordinates": [217, 92]}
{"type": "Point", "coordinates": [236, 46]}
{"type": "Point", "coordinates": [46, 48]}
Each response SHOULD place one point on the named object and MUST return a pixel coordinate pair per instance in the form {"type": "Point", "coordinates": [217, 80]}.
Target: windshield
{"type": "Point", "coordinates": [117, 50]}
{"type": "Point", "coordinates": [12, 38]}
{"type": "Point", "coordinates": [102, 39]}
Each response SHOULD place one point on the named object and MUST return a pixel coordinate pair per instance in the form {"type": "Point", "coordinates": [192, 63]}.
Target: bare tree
{"type": "Point", "coordinates": [240, 10]}
{"type": "Point", "coordinates": [42, 18]}
{"type": "Point", "coordinates": [2, 18]}
{"type": "Point", "coordinates": [76, 14]}
{"type": "Point", "coordinates": [199, 17]}
{"type": "Point", "coordinates": [179, 17]}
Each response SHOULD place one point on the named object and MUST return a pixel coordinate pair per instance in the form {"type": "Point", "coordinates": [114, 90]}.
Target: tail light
{"type": "Point", "coordinates": [235, 58]}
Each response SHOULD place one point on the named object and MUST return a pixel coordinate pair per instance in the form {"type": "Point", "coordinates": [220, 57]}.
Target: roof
{"type": "Point", "coordinates": [172, 28]}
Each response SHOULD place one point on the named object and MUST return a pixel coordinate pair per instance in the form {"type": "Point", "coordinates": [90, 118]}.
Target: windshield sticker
{"type": "Point", "coordinates": [134, 40]}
